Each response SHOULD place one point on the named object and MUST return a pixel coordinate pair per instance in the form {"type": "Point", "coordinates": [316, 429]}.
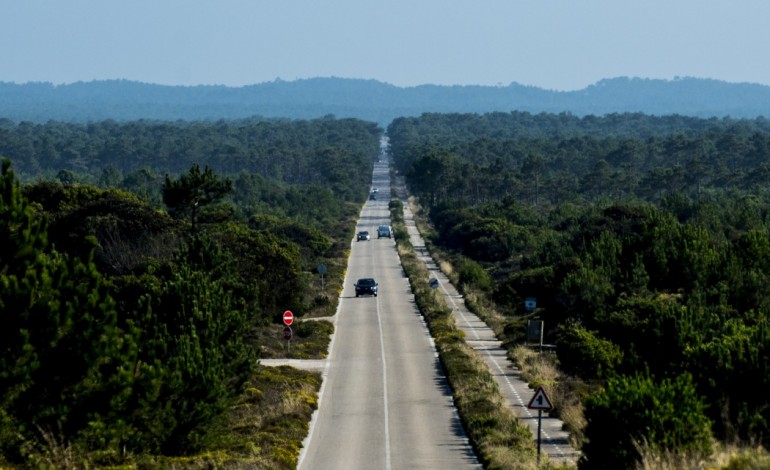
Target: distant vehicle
{"type": "Point", "coordinates": [373, 196]}
{"type": "Point", "coordinates": [375, 190]}
{"type": "Point", "coordinates": [384, 231]}
{"type": "Point", "coordinates": [366, 286]}
{"type": "Point", "coordinates": [363, 236]}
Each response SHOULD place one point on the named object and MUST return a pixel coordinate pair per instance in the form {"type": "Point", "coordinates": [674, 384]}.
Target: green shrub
{"type": "Point", "coordinates": [583, 354]}
{"type": "Point", "coordinates": [65, 365]}
{"type": "Point", "coordinates": [472, 274]}
{"type": "Point", "coordinates": [634, 412]}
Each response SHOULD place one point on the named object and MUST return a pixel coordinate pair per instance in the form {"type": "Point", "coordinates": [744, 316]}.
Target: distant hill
{"type": "Point", "coordinates": [371, 100]}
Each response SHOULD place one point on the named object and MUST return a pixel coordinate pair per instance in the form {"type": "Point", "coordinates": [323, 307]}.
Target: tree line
{"type": "Point", "coordinates": [549, 159]}
{"type": "Point", "coordinates": [294, 152]}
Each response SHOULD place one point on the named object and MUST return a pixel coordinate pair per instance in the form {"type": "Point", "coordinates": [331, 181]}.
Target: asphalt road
{"type": "Point", "coordinates": [384, 403]}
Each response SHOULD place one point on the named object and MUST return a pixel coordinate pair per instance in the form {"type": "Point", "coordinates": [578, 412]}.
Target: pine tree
{"type": "Point", "coordinates": [64, 364]}
{"type": "Point", "coordinates": [195, 354]}
{"type": "Point", "coordinates": [193, 191]}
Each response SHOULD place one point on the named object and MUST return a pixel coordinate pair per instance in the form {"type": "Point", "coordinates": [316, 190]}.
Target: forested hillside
{"type": "Point", "coordinates": [646, 242]}
{"type": "Point", "coordinates": [143, 268]}
{"type": "Point", "coordinates": [371, 100]}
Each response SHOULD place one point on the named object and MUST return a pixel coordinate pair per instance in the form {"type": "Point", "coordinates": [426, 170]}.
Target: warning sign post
{"type": "Point", "coordinates": [539, 402]}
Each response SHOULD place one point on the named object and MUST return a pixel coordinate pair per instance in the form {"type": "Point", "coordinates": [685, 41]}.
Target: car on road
{"type": "Point", "coordinates": [366, 286]}
{"type": "Point", "coordinates": [384, 231]}
{"type": "Point", "coordinates": [373, 196]}
{"type": "Point", "coordinates": [363, 235]}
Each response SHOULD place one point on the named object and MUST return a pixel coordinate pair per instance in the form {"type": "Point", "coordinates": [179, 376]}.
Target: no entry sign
{"type": "Point", "coordinates": [288, 318]}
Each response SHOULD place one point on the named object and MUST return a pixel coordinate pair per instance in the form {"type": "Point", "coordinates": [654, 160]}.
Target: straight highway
{"type": "Point", "coordinates": [384, 402]}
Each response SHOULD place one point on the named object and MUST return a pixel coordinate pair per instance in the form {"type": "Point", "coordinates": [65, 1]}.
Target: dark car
{"type": "Point", "coordinates": [373, 196]}
{"type": "Point", "coordinates": [363, 235]}
{"type": "Point", "coordinates": [366, 286]}
{"type": "Point", "coordinates": [384, 231]}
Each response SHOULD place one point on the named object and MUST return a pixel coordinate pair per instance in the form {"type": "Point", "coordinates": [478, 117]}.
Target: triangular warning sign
{"type": "Point", "coordinates": [540, 401]}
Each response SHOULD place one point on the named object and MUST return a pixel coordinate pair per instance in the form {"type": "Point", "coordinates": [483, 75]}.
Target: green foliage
{"type": "Point", "coordinates": [271, 264]}
{"type": "Point", "coordinates": [326, 156]}
{"type": "Point", "coordinates": [193, 192]}
{"type": "Point", "coordinates": [65, 366]}
{"type": "Point", "coordinates": [492, 237]}
{"type": "Point", "coordinates": [312, 243]}
{"type": "Point", "coordinates": [548, 159]}
{"type": "Point", "coordinates": [172, 351]}
{"type": "Point", "coordinates": [739, 354]}
{"type": "Point", "coordinates": [584, 354]}
{"type": "Point", "coordinates": [637, 410]}
{"type": "Point", "coordinates": [128, 232]}
{"type": "Point", "coordinates": [651, 233]}
{"type": "Point", "coordinates": [473, 274]}
{"type": "Point", "coordinates": [195, 354]}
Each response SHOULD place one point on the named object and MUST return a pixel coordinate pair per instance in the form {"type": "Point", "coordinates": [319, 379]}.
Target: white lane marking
{"type": "Point", "coordinates": [324, 376]}
{"type": "Point", "coordinates": [384, 387]}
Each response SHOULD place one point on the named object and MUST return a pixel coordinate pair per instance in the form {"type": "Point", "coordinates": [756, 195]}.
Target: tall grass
{"type": "Point", "coordinates": [724, 458]}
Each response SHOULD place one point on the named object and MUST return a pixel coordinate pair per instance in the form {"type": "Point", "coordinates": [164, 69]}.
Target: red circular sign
{"type": "Point", "coordinates": [288, 318]}
{"type": "Point", "coordinates": [287, 332]}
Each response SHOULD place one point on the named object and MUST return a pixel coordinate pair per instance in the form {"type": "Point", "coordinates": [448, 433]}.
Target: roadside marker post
{"type": "Point", "coordinates": [539, 402]}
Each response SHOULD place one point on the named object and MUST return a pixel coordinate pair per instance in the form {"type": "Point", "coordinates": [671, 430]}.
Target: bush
{"type": "Point", "coordinates": [585, 355]}
{"type": "Point", "coordinates": [472, 274]}
{"type": "Point", "coordinates": [635, 412]}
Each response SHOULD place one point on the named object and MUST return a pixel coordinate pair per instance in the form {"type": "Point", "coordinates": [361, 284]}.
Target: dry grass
{"type": "Point", "coordinates": [446, 268]}
{"type": "Point", "coordinates": [56, 453]}
{"type": "Point", "coordinates": [724, 457]}
{"type": "Point", "coordinates": [540, 369]}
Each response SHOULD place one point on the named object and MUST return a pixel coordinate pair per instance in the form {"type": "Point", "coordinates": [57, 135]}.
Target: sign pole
{"type": "Point", "coordinates": [539, 423]}
{"type": "Point", "coordinates": [539, 402]}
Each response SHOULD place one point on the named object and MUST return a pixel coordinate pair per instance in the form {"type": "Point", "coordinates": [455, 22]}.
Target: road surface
{"type": "Point", "coordinates": [384, 402]}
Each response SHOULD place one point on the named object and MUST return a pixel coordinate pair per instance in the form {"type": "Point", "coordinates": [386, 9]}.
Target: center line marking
{"type": "Point", "coordinates": [384, 387]}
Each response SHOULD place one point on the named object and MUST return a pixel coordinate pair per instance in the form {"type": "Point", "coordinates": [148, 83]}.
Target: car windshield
{"type": "Point", "coordinates": [366, 282]}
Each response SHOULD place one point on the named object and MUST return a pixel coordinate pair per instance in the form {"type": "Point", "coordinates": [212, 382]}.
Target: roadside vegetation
{"type": "Point", "coordinates": [499, 440]}
{"type": "Point", "coordinates": [644, 241]}
{"type": "Point", "coordinates": [137, 300]}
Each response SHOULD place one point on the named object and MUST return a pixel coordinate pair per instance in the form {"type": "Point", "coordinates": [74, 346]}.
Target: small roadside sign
{"type": "Point", "coordinates": [287, 333]}
{"type": "Point", "coordinates": [540, 401]}
{"type": "Point", "coordinates": [288, 318]}
{"type": "Point", "coordinates": [530, 304]}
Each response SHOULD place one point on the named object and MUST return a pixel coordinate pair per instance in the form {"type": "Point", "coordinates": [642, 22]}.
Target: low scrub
{"type": "Point", "coordinates": [310, 340]}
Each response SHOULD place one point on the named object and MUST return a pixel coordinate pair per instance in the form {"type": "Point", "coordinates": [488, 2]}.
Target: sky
{"type": "Point", "coordinates": [551, 44]}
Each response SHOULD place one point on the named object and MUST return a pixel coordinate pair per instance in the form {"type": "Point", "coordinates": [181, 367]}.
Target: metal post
{"type": "Point", "coordinates": [539, 421]}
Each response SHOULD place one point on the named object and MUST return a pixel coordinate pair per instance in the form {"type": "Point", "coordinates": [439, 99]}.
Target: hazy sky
{"type": "Point", "coordinates": [553, 44]}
